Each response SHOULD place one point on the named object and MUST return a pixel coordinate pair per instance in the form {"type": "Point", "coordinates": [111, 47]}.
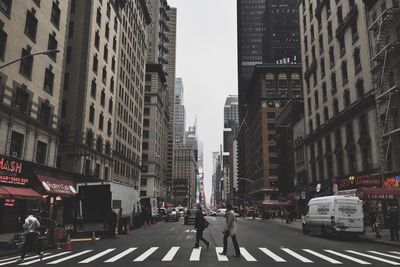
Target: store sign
{"type": "Point", "coordinates": [12, 172]}
{"type": "Point", "coordinates": [9, 202]}
{"type": "Point", "coordinates": [360, 181]}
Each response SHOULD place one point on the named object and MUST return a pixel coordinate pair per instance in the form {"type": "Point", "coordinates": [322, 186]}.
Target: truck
{"type": "Point", "coordinates": [153, 204]}
{"type": "Point", "coordinates": [96, 200]}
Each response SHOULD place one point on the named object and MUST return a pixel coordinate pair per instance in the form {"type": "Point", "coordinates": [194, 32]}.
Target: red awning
{"type": "Point", "coordinates": [57, 186]}
{"type": "Point", "coordinates": [4, 193]}
{"type": "Point", "coordinates": [20, 192]}
{"type": "Point", "coordinates": [277, 203]}
{"type": "Point", "coordinates": [378, 193]}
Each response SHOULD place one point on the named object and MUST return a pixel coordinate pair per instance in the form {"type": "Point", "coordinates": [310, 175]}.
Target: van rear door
{"type": "Point", "coordinates": [349, 214]}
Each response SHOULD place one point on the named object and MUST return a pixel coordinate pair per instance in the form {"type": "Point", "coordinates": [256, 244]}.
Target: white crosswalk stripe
{"type": "Point", "coordinates": [70, 257]}
{"type": "Point", "coordinates": [195, 256]}
{"type": "Point", "coordinates": [333, 261]}
{"type": "Point", "coordinates": [384, 254]}
{"type": "Point", "coordinates": [272, 255]}
{"type": "Point", "coordinates": [9, 259]}
{"type": "Point", "coordinates": [395, 252]}
{"type": "Point", "coordinates": [146, 254]}
{"type": "Point", "coordinates": [14, 260]}
{"type": "Point", "coordinates": [120, 255]}
{"type": "Point", "coordinates": [296, 255]}
{"type": "Point", "coordinates": [246, 255]}
{"type": "Point", "coordinates": [347, 257]}
{"type": "Point", "coordinates": [45, 258]}
{"type": "Point", "coordinates": [171, 254]}
{"type": "Point", "coordinates": [220, 257]}
{"type": "Point", "coordinates": [101, 254]}
{"type": "Point", "coordinates": [373, 257]}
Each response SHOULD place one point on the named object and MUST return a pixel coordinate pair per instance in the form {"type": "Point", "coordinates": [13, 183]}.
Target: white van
{"type": "Point", "coordinates": [334, 215]}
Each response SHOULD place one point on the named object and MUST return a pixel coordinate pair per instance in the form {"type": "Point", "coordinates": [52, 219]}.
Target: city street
{"type": "Point", "coordinates": [171, 244]}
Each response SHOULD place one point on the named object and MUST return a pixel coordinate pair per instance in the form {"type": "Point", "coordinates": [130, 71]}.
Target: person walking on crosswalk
{"type": "Point", "coordinates": [230, 230]}
{"type": "Point", "coordinates": [31, 227]}
{"type": "Point", "coordinates": [200, 225]}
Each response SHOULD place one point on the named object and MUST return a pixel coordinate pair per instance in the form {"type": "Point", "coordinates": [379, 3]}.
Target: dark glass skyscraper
{"type": "Point", "coordinates": [268, 31]}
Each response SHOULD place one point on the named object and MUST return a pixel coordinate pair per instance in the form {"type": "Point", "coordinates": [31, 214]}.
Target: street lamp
{"type": "Point", "coordinates": [47, 52]}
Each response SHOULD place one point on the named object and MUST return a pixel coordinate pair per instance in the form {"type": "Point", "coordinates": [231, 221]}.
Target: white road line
{"type": "Point", "coordinates": [45, 258]}
{"type": "Point", "coordinates": [187, 231]}
{"type": "Point", "coordinates": [246, 255]}
{"type": "Point", "coordinates": [70, 256]}
{"type": "Point", "coordinates": [9, 259]}
{"type": "Point", "coordinates": [173, 228]}
{"type": "Point", "coordinates": [195, 256]}
{"type": "Point", "coordinates": [395, 252]}
{"type": "Point", "coordinates": [95, 257]}
{"type": "Point", "coordinates": [347, 257]}
{"type": "Point", "coordinates": [384, 254]}
{"type": "Point", "coordinates": [121, 255]}
{"type": "Point", "coordinates": [146, 254]}
{"type": "Point", "coordinates": [15, 260]}
{"type": "Point", "coordinates": [319, 255]}
{"type": "Point", "coordinates": [221, 257]}
{"type": "Point", "coordinates": [373, 257]}
{"type": "Point", "coordinates": [297, 256]}
{"type": "Point", "coordinates": [272, 255]}
{"type": "Point", "coordinates": [171, 254]}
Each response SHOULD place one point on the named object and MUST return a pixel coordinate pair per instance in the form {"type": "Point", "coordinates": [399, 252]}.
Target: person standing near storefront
{"type": "Point", "coordinates": [394, 223]}
{"type": "Point", "coordinates": [31, 227]}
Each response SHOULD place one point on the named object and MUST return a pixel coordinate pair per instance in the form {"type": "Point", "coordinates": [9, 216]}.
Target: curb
{"type": "Point", "coordinates": [380, 241]}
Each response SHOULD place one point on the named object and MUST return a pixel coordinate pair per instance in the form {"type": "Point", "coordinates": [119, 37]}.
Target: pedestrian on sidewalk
{"type": "Point", "coordinates": [230, 230]}
{"type": "Point", "coordinates": [31, 244]}
{"type": "Point", "coordinates": [394, 223]}
{"type": "Point", "coordinates": [200, 225]}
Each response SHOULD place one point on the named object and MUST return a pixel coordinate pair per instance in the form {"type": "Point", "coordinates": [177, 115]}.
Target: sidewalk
{"type": "Point", "coordinates": [369, 235]}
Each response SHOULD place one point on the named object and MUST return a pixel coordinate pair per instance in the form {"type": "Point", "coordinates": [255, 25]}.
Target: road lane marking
{"type": "Point", "coordinates": [121, 255]}
{"type": "Point", "coordinates": [384, 254]}
{"type": "Point", "coordinates": [221, 257]}
{"type": "Point", "coordinates": [187, 231]}
{"type": "Point", "coordinates": [173, 228]}
{"type": "Point", "coordinates": [15, 259]}
{"type": "Point", "coordinates": [347, 257]}
{"type": "Point", "coordinates": [195, 256]}
{"type": "Point", "coordinates": [333, 261]}
{"type": "Point", "coordinates": [95, 257]}
{"type": "Point", "coordinates": [373, 257]}
{"type": "Point", "coordinates": [246, 255]}
{"type": "Point", "coordinates": [272, 255]}
{"type": "Point", "coordinates": [395, 252]}
{"type": "Point", "coordinates": [146, 254]}
{"type": "Point", "coordinates": [171, 254]}
{"type": "Point", "coordinates": [70, 256]}
{"type": "Point", "coordinates": [297, 256]}
{"type": "Point", "coordinates": [9, 259]}
{"type": "Point", "coordinates": [45, 258]}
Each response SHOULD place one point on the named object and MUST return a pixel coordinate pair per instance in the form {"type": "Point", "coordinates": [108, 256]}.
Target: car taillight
{"type": "Point", "coordinates": [333, 223]}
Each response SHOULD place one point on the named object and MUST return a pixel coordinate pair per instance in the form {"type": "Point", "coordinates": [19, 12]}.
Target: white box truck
{"type": "Point", "coordinates": [97, 199]}
{"type": "Point", "coordinates": [334, 215]}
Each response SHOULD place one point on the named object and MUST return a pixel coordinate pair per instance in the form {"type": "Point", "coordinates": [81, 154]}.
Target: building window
{"type": "Point", "coordinates": [333, 83]}
{"type": "Point", "coordinates": [330, 32]}
{"type": "Point", "coordinates": [45, 114]}
{"type": "Point", "coordinates": [322, 62]}
{"type": "Point", "coordinates": [316, 100]}
{"type": "Point", "coordinates": [332, 56]}
{"type": "Point", "coordinates": [97, 40]}
{"type": "Point", "coordinates": [91, 114]}
{"type": "Point", "coordinates": [101, 121]}
{"type": "Point", "coordinates": [99, 144]}
{"type": "Point", "coordinates": [107, 31]}
{"type": "Point", "coordinates": [112, 85]}
{"type": "Point", "coordinates": [41, 151]}
{"type": "Point", "coordinates": [344, 73]}
{"type": "Point", "coordinates": [309, 106]}
{"type": "Point", "coordinates": [21, 101]}
{"type": "Point", "coordinates": [3, 43]}
{"type": "Point", "coordinates": [103, 98]}
{"type": "Point", "coordinates": [5, 6]}
{"type": "Point", "coordinates": [310, 125]}
{"type": "Point", "coordinates": [98, 17]}
{"type": "Point", "coordinates": [17, 142]}
{"type": "Point", "coordinates": [346, 99]}
{"type": "Point", "coordinates": [339, 14]}
{"type": "Point", "coordinates": [342, 45]}
{"type": "Point", "coordinates": [354, 31]}
{"type": "Point", "coordinates": [324, 93]}
{"type": "Point", "coordinates": [93, 89]}
{"type": "Point", "coordinates": [336, 107]}
{"type": "Point", "coordinates": [115, 44]}
{"type": "Point", "coordinates": [321, 44]}
{"type": "Point", "coordinates": [360, 88]}
{"type": "Point", "coordinates": [318, 120]}
{"type": "Point", "coordinates": [326, 114]}
{"type": "Point", "coordinates": [109, 128]}
{"type": "Point", "coordinates": [357, 60]}
{"type": "Point", "coordinates": [95, 64]}
{"type": "Point", "coordinates": [110, 106]}
{"type": "Point", "coordinates": [104, 75]}
{"type": "Point", "coordinates": [52, 45]}
{"type": "Point", "coordinates": [26, 63]}
{"type": "Point", "coordinates": [105, 53]}
{"type": "Point", "coordinates": [108, 10]}
{"type": "Point", "coordinates": [113, 64]}
{"type": "Point", "coordinates": [31, 25]}
{"type": "Point", "coordinates": [48, 80]}
{"type": "Point", "coordinates": [115, 24]}
{"type": "Point", "coordinates": [55, 14]}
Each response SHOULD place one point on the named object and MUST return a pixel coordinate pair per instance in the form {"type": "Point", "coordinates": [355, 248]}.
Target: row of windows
{"type": "Point", "coordinates": [17, 146]}
{"type": "Point", "coordinates": [92, 114]}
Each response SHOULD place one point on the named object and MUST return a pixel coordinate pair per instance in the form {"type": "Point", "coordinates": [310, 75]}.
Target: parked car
{"type": "Point", "coordinates": [190, 217]}
{"type": "Point", "coordinates": [221, 212]}
{"type": "Point", "coordinates": [172, 215]}
{"type": "Point", "coordinates": [334, 215]}
{"type": "Point", "coordinates": [213, 213]}
{"type": "Point", "coordinates": [162, 213]}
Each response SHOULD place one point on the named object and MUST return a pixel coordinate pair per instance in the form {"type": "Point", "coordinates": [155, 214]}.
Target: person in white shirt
{"type": "Point", "coordinates": [230, 230]}
{"type": "Point", "coordinates": [31, 228]}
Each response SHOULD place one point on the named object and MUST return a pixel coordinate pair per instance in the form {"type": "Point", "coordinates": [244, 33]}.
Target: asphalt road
{"type": "Point", "coordinates": [262, 243]}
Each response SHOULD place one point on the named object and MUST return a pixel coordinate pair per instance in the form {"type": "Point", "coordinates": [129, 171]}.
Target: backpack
{"type": "Point", "coordinates": [206, 223]}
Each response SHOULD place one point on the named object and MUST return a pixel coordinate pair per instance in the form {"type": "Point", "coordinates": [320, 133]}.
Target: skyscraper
{"type": "Point", "coordinates": [180, 113]}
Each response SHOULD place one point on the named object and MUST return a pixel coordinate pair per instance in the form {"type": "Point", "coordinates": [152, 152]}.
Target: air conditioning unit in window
{"type": "Point", "coordinates": [14, 155]}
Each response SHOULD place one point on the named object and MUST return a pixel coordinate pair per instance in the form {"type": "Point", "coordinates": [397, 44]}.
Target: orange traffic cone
{"type": "Point", "coordinates": [93, 240]}
{"type": "Point", "coordinates": [68, 245]}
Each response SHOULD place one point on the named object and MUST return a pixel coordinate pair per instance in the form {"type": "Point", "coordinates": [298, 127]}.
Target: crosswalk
{"type": "Point", "coordinates": [257, 254]}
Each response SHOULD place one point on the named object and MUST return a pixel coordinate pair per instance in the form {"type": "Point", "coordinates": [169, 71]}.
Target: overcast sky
{"type": "Point", "coordinates": [207, 63]}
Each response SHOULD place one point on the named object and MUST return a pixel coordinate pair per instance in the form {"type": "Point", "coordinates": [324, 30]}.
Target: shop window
{"type": "Point", "coordinates": [41, 151]}
{"type": "Point", "coordinates": [17, 142]}
{"type": "Point", "coordinates": [31, 25]}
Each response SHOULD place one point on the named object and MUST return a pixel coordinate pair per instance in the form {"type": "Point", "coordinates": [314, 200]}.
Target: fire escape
{"type": "Point", "coordinates": [385, 60]}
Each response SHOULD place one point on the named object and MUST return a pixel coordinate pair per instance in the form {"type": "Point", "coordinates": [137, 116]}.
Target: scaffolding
{"type": "Point", "coordinates": [386, 75]}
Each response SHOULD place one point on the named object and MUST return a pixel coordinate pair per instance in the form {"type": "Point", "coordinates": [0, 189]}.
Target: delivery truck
{"type": "Point", "coordinates": [96, 201]}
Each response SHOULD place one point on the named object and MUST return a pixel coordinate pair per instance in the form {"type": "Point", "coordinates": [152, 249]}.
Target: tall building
{"type": "Point", "coordinates": [338, 95]}
{"type": "Point", "coordinates": [267, 32]}
{"type": "Point", "coordinates": [129, 96]}
{"type": "Point", "coordinates": [180, 113]}
{"type": "Point", "coordinates": [87, 120]}
{"type": "Point", "coordinates": [384, 32]}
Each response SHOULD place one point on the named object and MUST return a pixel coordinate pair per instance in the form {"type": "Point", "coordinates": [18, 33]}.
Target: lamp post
{"type": "Point", "coordinates": [47, 52]}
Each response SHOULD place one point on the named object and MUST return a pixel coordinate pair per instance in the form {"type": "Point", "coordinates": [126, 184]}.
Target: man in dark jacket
{"type": "Point", "coordinates": [200, 226]}
{"type": "Point", "coordinates": [394, 223]}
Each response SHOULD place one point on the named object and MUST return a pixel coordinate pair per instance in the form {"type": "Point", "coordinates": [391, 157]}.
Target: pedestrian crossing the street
{"type": "Point", "coordinates": [260, 255]}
